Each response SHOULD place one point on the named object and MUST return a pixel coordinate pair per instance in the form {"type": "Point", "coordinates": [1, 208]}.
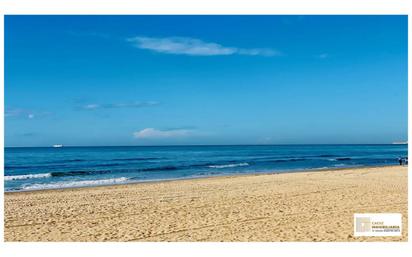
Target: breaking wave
{"type": "Point", "coordinates": [27, 176]}
{"type": "Point", "coordinates": [229, 165]}
{"type": "Point", "coordinates": [70, 184]}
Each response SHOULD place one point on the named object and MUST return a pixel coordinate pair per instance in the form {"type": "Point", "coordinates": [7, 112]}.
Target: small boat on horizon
{"type": "Point", "coordinates": [57, 146]}
{"type": "Point", "coordinates": [400, 143]}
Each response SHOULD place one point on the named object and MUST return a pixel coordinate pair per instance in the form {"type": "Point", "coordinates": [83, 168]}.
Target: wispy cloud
{"type": "Point", "coordinates": [95, 106]}
{"type": "Point", "coordinates": [23, 113]}
{"type": "Point", "coordinates": [151, 133]}
{"type": "Point", "coordinates": [195, 47]}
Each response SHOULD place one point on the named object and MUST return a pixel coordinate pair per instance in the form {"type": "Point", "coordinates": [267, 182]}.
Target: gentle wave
{"type": "Point", "coordinates": [160, 168]}
{"type": "Point", "coordinates": [65, 161]}
{"type": "Point", "coordinates": [343, 159]}
{"type": "Point", "coordinates": [70, 184]}
{"type": "Point", "coordinates": [27, 176]}
{"type": "Point", "coordinates": [78, 173]}
{"type": "Point", "coordinates": [340, 159]}
{"type": "Point", "coordinates": [137, 159]}
{"type": "Point", "coordinates": [299, 157]}
{"type": "Point", "coordinates": [290, 160]}
{"type": "Point", "coordinates": [23, 167]}
{"type": "Point", "coordinates": [229, 165]}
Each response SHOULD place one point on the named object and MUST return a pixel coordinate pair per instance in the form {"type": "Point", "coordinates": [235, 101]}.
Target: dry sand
{"type": "Point", "coordinates": [306, 206]}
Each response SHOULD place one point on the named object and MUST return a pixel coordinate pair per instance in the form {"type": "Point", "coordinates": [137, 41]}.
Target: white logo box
{"type": "Point", "coordinates": [377, 224]}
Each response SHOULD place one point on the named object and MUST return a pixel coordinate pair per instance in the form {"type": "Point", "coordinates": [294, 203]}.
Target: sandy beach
{"type": "Point", "coordinates": [304, 206]}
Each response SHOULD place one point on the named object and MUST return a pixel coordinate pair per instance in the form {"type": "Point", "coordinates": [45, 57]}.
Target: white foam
{"type": "Point", "coordinates": [68, 184]}
{"type": "Point", "coordinates": [229, 165]}
{"type": "Point", "coordinates": [27, 176]}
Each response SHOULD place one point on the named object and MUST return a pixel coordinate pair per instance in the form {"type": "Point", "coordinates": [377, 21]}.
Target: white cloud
{"type": "Point", "coordinates": [258, 51]}
{"type": "Point", "coordinates": [151, 133]}
{"type": "Point", "coordinates": [94, 106]}
{"type": "Point", "coordinates": [91, 106]}
{"type": "Point", "coordinates": [25, 114]}
{"type": "Point", "coordinates": [194, 47]}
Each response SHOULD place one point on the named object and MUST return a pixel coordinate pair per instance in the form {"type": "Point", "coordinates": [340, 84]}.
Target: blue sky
{"type": "Point", "coordinates": [160, 80]}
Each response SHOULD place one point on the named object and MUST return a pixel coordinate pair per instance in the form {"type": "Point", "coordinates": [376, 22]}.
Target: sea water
{"type": "Point", "coordinates": [33, 168]}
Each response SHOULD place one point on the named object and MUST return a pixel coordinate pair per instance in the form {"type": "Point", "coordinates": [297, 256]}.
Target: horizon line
{"type": "Point", "coordinates": [72, 146]}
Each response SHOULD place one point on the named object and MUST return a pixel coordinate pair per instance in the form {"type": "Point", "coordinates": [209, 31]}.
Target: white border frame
{"type": "Point", "coordinates": [195, 7]}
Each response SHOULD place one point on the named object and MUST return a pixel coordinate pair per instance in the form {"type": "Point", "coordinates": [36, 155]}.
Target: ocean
{"type": "Point", "coordinates": [34, 168]}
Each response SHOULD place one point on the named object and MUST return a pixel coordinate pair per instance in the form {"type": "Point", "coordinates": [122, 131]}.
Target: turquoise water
{"type": "Point", "coordinates": [48, 168]}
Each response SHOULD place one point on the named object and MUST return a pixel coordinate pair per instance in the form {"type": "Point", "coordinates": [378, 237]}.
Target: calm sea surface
{"type": "Point", "coordinates": [47, 168]}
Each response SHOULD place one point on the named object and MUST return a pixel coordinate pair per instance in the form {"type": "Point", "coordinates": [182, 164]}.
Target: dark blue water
{"type": "Point", "coordinates": [45, 168]}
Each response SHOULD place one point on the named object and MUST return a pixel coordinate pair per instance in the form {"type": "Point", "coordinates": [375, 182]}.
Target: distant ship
{"type": "Point", "coordinates": [57, 146]}
{"type": "Point", "coordinates": [400, 143]}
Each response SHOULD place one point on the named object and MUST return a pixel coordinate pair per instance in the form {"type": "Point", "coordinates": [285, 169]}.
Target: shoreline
{"type": "Point", "coordinates": [209, 177]}
{"type": "Point", "coordinates": [300, 206]}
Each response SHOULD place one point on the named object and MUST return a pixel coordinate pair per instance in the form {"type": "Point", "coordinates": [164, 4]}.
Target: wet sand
{"type": "Point", "coordinates": [304, 206]}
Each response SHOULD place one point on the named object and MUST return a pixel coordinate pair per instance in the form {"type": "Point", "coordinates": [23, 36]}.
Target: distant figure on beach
{"type": "Point", "coordinates": [403, 160]}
